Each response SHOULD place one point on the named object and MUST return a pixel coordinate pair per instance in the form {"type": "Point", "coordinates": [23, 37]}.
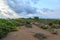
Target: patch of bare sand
{"type": "Point", "coordinates": [27, 34]}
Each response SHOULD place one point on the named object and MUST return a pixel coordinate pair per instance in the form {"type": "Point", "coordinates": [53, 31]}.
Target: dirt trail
{"type": "Point", "coordinates": [27, 34]}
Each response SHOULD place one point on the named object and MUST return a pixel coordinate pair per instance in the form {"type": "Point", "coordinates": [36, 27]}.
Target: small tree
{"type": "Point", "coordinates": [36, 18]}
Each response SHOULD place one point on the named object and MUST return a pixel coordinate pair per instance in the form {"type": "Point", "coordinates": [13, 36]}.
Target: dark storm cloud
{"type": "Point", "coordinates": [20, 6]}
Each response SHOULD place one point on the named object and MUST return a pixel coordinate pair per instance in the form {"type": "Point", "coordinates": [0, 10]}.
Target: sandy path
{"type": "Point", "coordinates": [27, 34]}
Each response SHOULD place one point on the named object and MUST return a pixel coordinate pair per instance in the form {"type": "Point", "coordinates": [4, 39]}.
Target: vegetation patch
{"type": "Point", "coordinates": [6, 26]}
{"type": "Point", "coordinates": [54, 31]}
{"type": "Point", "coordinates": [40, 36]}
{"type": "Point", "coordinates": [28, 24]}
{"type": "Point", "coordinates": [45, 27]}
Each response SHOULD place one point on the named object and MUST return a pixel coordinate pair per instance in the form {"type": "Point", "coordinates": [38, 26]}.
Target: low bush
{"type": "Point", "coordinates": [6, 26]}
{"type": "Point", "coordinates": [54, 31]}
{"type": "Point", "coordinates": [40, 35]}
{"type": "Point", "coordinates": [45, 27]}
{"type": "Point", "coordinates": [2, 33]}
{"type": "Point", "coordinates": [28, 24]}
{"type": "Point", "coordinates": [50, 24]}
{"type": "Point", "coordinates": [56, 26]}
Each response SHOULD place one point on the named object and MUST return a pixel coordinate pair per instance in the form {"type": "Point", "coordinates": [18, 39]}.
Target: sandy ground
{"type": "Point", "coordinates": [27, 34]}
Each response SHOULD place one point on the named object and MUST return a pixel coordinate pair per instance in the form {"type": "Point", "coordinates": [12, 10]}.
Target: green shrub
{"type": "Point", "coordinates": [50, 24]}
{"type": "Point", "coordinates": [56, 26]}
{"type": "Point", "coordinates": [40, 36]}
{"type": "Point", "coordinates": [2, 34]}
{"type": "Point", "coordinates": [45, 27]}
{"type": "Point", "coordinates": [54, 31]}
{"type": "Point", "coordinates": [15, 29]}
{"type": "Point", "coordinates": [28, 24]}
{"type": "Point", "coordinates": [7, 26]}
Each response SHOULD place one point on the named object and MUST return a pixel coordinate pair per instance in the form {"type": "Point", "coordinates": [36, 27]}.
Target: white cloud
{"type": "Point", "coordinates": [5, 9]}
{"type": "Point", "coordinates": [48, 14]}
{"type": "Point", "coordinates": [25, 10]}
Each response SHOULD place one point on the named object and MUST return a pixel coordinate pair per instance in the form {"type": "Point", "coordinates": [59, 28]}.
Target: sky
{"type": "Point", "coordinates": [30, 8]}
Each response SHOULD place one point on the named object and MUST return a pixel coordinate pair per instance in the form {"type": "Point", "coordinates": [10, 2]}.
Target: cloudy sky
{"type": "Point", "coordinates": [30, 8]}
